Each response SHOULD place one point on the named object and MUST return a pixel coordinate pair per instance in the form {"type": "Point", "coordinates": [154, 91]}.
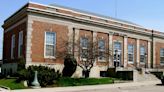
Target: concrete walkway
{"type": "Point", "coordinates": [111, 87]}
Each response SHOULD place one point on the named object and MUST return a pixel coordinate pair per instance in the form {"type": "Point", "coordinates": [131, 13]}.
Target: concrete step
{"type": "Point", "coordinates": [144, 76]}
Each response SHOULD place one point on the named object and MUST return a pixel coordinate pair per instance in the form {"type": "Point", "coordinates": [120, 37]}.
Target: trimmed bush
{"type": "Point", "coordinates": [46, 75]}
{"type": "Point", "coordinates": [69, 66]}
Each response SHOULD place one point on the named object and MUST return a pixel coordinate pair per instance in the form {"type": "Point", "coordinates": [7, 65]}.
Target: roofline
{"type": "Point", "coordinates": [89, 14]}
{"type": "Point", "coordinates": [16, 11]}
{"type": "Point", "coordinates": [73, 10]}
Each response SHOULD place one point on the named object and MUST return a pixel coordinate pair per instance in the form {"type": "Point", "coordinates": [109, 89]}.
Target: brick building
{"type": "Point", "coordinates": [35, 32]}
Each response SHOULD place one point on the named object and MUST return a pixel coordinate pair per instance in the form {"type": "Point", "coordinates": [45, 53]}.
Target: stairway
{"type": "Point", "coordinates": [143, 76]}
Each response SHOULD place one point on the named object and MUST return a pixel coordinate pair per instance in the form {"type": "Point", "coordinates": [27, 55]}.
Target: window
{"type": "Point", "coordinates": [50, 44]}
{"type": "Point", "coordinates": [117, 54]}
{"type": "Point", "coordinates": [131, 53]}
{"type": "Point", "coordinates": [20, 44]}
{"type": "Point", "coordinates": [162, 55]}
{"type": "Point", "coordinates": [12, 46]}
{"type": "Point", "coordinates": [84, 47]}
{"type": "Point", "coordinates": [117, 45]}
{"type": "Point", "coordinates": [101, 49]}
{"type": "Point", "coordinates": [142, 54]}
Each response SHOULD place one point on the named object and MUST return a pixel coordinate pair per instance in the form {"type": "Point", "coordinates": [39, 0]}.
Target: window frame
{"type": "Point", "coordinates": [132, 53]}
{"type": "Point", "coordinates": [101, 50]}
{"type": "Point", "coordinates": [83, 48]}
{"type": "Point", "coordinates": [45, 44]}
{"type": "Point", "coordinates": [143, 54]}
{"type": "Point", "coordinates": [20, 43]}
{"type": "Point", "coordinates": [161, 63]}
{"type": "Point", "coordinates": [12, 46]}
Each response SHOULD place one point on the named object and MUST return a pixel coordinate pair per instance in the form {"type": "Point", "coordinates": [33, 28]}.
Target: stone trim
{"type": "Point", "coordinates": [76, 41]}
{"type": "Point", "coordinates": [111, 49]}
{"type": "Point", "coordinates": [149, 55]}
{"type": "Point", "coordinates": [15, 25]}
{"type": "Point", "coordinates": [125, 51]}
{"type": "Point", "coordinates": [154, 54]}
{"type": "Point", "coordinates": [138, 53]}
{"type": "Point", "coordinates": [29, 37]}
{"type": "Point", "coordinates": [87, 27]}
{"type": "Point", "coordinates": [42, 11]}
{"type": "Point", "coordinates": [94, 40]}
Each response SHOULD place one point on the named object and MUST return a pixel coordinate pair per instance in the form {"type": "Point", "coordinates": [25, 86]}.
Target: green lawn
{"type": "Point", "coordinates": [11, 84]}
{"type": "Point", "coordinates": [62, 82]}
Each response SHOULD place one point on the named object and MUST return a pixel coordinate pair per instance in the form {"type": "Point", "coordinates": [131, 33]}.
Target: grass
{"type": "Point", "coordinates": [63, 82]}
{"type": "Point", "coordinates": [11, 84]}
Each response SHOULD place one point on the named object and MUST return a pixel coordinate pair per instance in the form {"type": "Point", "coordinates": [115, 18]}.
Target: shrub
{"type": "Point", "coordinates": [69, 66]}
{"type": "Point", "coordinates": [21, 64]}
{"type": "Point", "coordinates": [46, 75]}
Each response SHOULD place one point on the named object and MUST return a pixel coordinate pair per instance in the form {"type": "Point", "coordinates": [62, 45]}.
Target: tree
{"type": "Point", "coordinates": [90, 52]}
{"type": "Point", "coordinates": [87, 51]}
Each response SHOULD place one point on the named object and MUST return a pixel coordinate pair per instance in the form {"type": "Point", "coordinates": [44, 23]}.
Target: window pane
{"type": "Point", "coordinates": [84, 42]}
{"type": "Point", "coordinates": [162, 60]}
{"type": "Point", "coordinates": [101, 44]}
{"type": "Point", "coordinates": [162, 55]}
{"type": "Point", "coordinates": [84, 53]}
{"type": "Point", "coordinates": [50, 50]}
{"type": "Point", "coordinates": [142, 50]}
{"type": "Point", "coordinates": [142, 58]}
{"type": "Point", "coordinates": [50, 38]}
{"type": "Point", "coordinates": [101, 55]}
{"type": "Point", "coordinates": [130, 48]}
{"type": "Point", "coordinates": [161, 52]}
{"type": "Point", "coordinates": [117, 45]}
{"type": "Point", "coordinates": [130, 57]}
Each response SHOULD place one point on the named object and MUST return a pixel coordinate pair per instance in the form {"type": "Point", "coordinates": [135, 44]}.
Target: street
{"type": "Point", "coordinates": [152, 88]}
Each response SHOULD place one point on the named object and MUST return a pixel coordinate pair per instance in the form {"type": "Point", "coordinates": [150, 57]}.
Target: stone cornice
{"type": "Point", "coordinates": [93, 22]}
{"type": "Point", "coordinates": [23, 11]}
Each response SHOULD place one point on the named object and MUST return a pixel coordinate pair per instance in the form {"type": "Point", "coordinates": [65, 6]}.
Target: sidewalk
{"type": "Point", "coordinates": [93, 87]}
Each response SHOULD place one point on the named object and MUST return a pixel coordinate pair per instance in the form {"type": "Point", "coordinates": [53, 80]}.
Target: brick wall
{"type": "Point", "coordinates": [38, 35]}
{"type": "Point", "coordinates": [7, 41]}
{"type": "Point", "coordinates": [157, 52]}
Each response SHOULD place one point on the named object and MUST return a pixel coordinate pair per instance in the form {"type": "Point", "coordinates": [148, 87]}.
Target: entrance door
{"type": "Point", "coordinates": [117, 54]}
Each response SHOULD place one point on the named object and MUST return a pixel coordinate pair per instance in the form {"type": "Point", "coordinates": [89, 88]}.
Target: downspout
{"type": "Point", "coordinates": [73, 44]}
{"type": "Point", "coordinates": [152, 48]}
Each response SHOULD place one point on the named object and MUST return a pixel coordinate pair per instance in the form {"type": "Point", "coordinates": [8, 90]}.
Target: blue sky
{"type": "Point", "coordinates": [148, 13]}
